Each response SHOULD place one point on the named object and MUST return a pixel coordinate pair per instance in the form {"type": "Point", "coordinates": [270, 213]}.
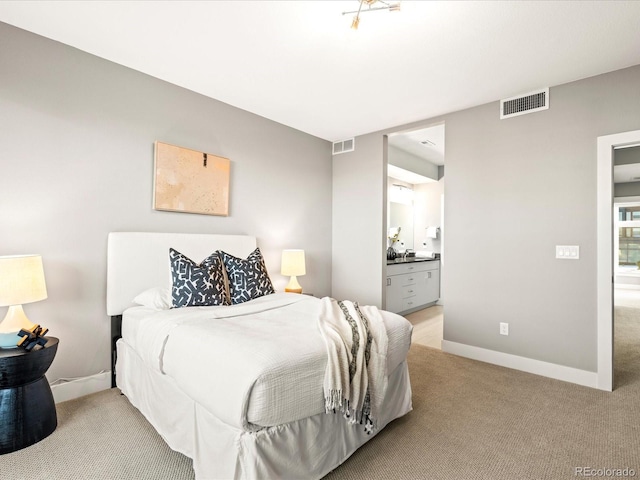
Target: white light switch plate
{"type": "Point", "coordinates": [568, 252]}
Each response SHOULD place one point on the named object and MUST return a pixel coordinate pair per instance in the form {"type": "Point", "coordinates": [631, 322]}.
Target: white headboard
{"type": "Point", "coordinates": [137, 261]}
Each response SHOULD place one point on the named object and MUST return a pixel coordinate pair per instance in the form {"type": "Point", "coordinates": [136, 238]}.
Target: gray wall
{"type": "Point", "coordinates": [627, 189]}
{"type": "Point", "coordinates": [536, 188]}
{"type": "Point", "coordinates": [515, 188]}
{"type": "Point", "coordinates": [359, 222]}
{"type": "Point", "coordinates": [76, 160]}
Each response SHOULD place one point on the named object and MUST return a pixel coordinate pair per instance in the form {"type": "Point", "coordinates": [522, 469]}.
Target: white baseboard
{"type": "Point", "coordinates": [81, 387]}
{"type": "Point", "coordinates": [545, 369]}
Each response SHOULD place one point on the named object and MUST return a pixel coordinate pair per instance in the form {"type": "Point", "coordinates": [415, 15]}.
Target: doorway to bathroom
{"type": "Point", "coordinates": [415, 230]}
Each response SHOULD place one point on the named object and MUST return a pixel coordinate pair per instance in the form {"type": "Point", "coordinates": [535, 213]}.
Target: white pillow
{"type": "Point", "coordinates": [157, 297]}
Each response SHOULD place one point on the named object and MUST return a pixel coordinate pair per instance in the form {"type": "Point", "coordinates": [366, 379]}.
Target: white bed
{"type": "Point", "coordinates": [236, 388]}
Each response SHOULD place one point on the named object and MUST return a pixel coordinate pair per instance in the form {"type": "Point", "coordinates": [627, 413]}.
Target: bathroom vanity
{"type": "Point", "coordinates": [412, 284]}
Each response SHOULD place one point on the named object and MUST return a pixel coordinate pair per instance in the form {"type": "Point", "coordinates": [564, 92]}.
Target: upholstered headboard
{"type": "Point", "coordinates": [137, 261]}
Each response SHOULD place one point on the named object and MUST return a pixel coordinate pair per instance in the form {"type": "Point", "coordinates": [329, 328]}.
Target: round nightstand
{"type": "Point", "coordinates": [27, 409]}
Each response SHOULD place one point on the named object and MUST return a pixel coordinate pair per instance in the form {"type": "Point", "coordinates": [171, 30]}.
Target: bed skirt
{"type": "Point", "coordinates": [304, 449]}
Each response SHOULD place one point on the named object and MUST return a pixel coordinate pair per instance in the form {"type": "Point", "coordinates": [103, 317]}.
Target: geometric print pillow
{"type": "Point", "coordinates": [247, 279]}
{"type": "Point", "coordinates": [196, 285]}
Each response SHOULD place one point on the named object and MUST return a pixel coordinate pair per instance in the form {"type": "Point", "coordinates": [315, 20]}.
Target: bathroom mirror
{"type": "Point", "coordinates": [401, 215]}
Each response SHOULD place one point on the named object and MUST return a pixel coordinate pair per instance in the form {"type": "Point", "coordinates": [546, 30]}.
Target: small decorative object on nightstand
{"type": "Point", "coordinates": [21, 281]}
{"type": "Point", "coordinates": [293, 264]}
{"type": "Point", "coordinates": [27, 409]}
{"type": "Point", "coordinates": [33, 337]}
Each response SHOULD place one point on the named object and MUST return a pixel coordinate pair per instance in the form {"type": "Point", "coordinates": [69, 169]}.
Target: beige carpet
{"type": "Point", "coordinates": [471, 420]}
{"type": "Point", "coordinates": [99, 436]}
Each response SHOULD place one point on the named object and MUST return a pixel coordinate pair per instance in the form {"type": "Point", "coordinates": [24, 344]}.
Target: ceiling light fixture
{"type": "Point", "coordinates": [392, 7]}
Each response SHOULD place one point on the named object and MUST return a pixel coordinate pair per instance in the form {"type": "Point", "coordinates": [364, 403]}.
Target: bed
{"type": "Point", "coordinates": [237, 388]}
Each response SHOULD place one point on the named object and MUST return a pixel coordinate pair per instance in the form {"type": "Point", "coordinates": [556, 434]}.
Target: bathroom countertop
{"type": "Point", "coordinates": [410, 260]}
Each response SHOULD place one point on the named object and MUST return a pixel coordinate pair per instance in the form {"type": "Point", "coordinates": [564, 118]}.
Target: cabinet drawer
{"type": "Point", "coordinates": [409, 303]}
{"type": "Point", "coordinates": [407, 280]}
{"type": "Point", "coordinates": [410, 291]}
{"type": "Point", "coordinates": [403, 268]}
{"type": "Point", "coordinates": [411, 279]}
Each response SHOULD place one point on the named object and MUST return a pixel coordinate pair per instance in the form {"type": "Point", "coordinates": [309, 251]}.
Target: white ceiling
{"type": "Point", "coordinates": [426, 143]}
{"type": "Point", "coordinates": [299, 63]}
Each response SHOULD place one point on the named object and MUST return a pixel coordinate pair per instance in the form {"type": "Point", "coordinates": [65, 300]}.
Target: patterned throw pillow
{"type": "Point", "coordinates": [248, 279]}
{"type": "Point", "coordinates": [197, 285]}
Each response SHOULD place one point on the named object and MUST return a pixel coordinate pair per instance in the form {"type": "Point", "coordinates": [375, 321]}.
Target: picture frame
{"type": "Point", "coordinates": [190, 181]}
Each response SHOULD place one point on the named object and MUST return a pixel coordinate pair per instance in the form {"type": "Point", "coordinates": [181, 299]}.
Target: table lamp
{"type": "Point", "coordinates": [21, 281]}
{"type": "Point", "coordinates": [293, 264]}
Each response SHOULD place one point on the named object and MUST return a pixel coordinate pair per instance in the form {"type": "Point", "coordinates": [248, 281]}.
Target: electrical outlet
{"type": "Point", "coordinates": [504, 328]}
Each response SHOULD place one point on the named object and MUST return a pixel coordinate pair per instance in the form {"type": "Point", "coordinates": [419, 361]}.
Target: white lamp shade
{"type": "Point", "coordinates": [293, 263]}
{"type": "Point", "coordinates": [21, 280]}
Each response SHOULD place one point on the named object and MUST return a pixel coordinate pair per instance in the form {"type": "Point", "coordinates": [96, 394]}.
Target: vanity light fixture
{"type": "Point", "coordinates": [401, 194]}
{"type": "Point", "coordinates": [380, 5]}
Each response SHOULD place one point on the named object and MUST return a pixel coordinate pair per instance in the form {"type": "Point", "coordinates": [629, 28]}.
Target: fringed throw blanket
{"type": "Point", "coordinates": [355, 380]}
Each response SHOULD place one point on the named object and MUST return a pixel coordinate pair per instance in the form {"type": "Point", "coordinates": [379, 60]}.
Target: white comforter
{"type": "Point", "coordinates": [253, 365]}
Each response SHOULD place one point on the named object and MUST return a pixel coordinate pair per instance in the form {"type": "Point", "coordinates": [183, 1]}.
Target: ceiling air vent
{"type": "Point", "coordinates": [522, 104]}
{"type": "Point", "coordinates": [344, 146]}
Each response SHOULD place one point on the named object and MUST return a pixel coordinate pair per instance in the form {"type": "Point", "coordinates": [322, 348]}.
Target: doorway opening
{"type": "Point", "coordinates": [415, 230]}
{"type": "Point", "coordinates": [626, 239]}
{"type": "Point", "coordinates": [610, 259]}
{"type": "Point", "coordinates": [626, 247]}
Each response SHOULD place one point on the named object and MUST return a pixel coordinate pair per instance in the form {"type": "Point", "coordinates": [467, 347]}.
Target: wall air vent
{"type": "Point", "coordinates": [344, 146]}
{"type": "Point", "coordinates": [522, 104]}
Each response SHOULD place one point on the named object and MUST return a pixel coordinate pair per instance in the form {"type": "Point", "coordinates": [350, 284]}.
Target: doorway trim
{"type": "Point", "coordinates": [605, 253]}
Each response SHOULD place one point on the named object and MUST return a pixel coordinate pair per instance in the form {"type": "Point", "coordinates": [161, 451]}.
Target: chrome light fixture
{"type": "Point", "coordinates": [371, 5]}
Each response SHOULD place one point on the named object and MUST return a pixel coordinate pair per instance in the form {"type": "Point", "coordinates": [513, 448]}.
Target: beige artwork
{"type": "Point", "coordinates": [190, 181]}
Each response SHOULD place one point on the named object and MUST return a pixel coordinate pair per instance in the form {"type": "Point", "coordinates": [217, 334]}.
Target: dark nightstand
{"type": "Point", "coordinates": [27, 409]}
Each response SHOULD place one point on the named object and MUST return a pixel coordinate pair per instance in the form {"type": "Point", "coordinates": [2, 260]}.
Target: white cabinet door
{"type": "Point", "coordinates": [431, 288]}
{"type": "Point", "coordinates": [394, 294]}
{"type": "Point", "coordinates": [427, 287]}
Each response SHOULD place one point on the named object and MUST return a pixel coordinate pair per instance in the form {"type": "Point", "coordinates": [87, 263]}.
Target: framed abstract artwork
{"type": "Point", "coordinates": [189, 181]}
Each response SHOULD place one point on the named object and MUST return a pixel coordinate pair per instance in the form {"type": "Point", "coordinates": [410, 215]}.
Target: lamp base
{"type": "Point", "coordinates": [15, 321]}
{"type": "Point", "coordinates": [9, 340]}
{"type": "Point", "coordinates": [293, 286]}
